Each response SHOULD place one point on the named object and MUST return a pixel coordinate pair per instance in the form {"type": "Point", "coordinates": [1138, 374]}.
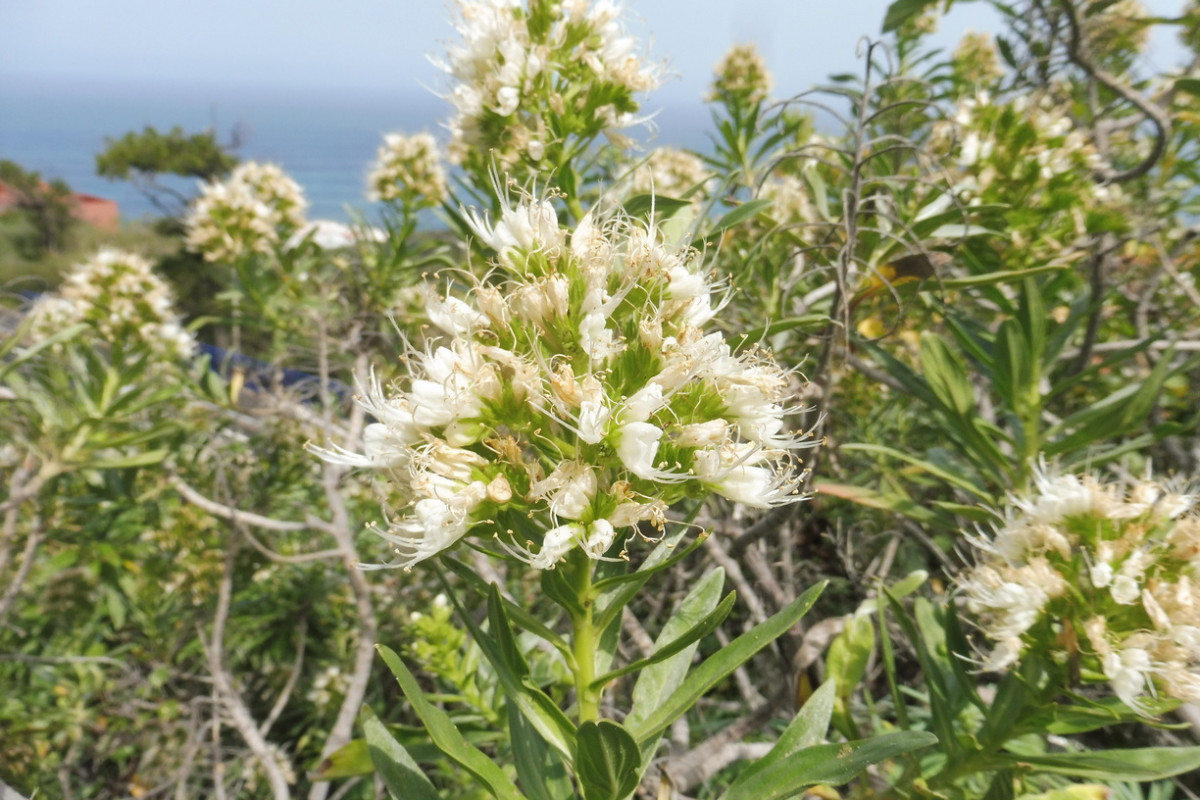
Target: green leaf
{"type": "Point", "coordinates": [901, 11]}
{"type": "Point", "coordinates": [446, 736]}
{"type": "Point", "coordinates": [643, 205]}
{"type": "Point", "coordinates": [806, 729]}
{"type": "Point", "coordinates": [885, 501]}
{"type": "Point", "coordinates": [1189, 85]}
{"type": "Point", "coordinates": [400, 774]}
{"type": "Point", "coordinates": [1004, 276]}
{"type": "Point", "coordinates": [938, 676]}
{"type": "Point", "coordinates": [29, 353]}
{"type": "Point", "coordinates": [659, 680]}
{"type": "Point", "coordinates": [849, 653]}
{"type": "Point", "coordinates": [1102, 712]}
{"type": "Point", "coordinates": [779, 326]}
{"type": "Point", "coordinates": [142, 459]}
{"type": "Point", "coordinates": [702, 628]}
{"type": "Point", "coordinates": [737, 216]}
{"type": "Point", "coordinates": [542, 776]}
{"type": "Point", "coordinates": [1134, 764]}
{"type": "Point", "coordinates": [946, 376]}
{"type": "Point", "coordinates": [952, 478]}
{"type": "Point", "coordinates": [1113, 415]}
{"type": "Point", "coordinates": [719, 665]}
{"type": "Point", "coordinates": [501, 650]}
{"type": "Point", "coordinates": [614, 593]}
{"type": "Point", "coordinates": [348, 761]}
{"type": "Point", "coordinates": [517, 614]}
{"type": "Point", "coordinates": [607, 761]}
{"type": "Point", "coordinates": [832, 764]}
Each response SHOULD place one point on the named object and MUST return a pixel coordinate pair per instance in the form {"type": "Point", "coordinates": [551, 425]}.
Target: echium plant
{"type": "Point", "coordinates": [123, 303]}
{"type": "Point", "coordinates": [407, 171]}
{"type": "Point", "coordinates": [533, 87]}
{"type": "Point", "coordinates": [255, 210]}
{"type": "Point", "coordinates": [576, 399]}
{"type": "Point", "coordinates": [1097, 578]}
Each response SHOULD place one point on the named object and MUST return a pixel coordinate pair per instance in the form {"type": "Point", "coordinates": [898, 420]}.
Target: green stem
{"type": "Point", "coordinates": [583, 643]}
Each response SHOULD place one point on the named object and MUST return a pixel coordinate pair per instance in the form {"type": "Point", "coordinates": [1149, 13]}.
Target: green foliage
{"type": "Point", "coordinates": [143, 158]}
{"type": "Point", "coordinates": [46, 206]}
{"type": "Point", "coordinates": [975, 269]}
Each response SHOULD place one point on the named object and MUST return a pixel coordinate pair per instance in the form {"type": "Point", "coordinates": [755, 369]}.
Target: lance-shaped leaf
{"type": "Point", "coordinates": [706, 625]}
{"type": "Point", "coordinates": [718, 666]}
{"type": "Point", "coordinates": [447, 737]}
{"type": "Point", "coordinates": [1135, 764]}
{"type": "Point", "coordinates": [826, 763]}
{"type": "Point", "coordinates": [806, 729]}
{"type": "Point", "coordinates": [539, 769]}
{"type": "Point", "coordinates": [657, 681]}
{"type": "Point", "coordinates": [400, 774]}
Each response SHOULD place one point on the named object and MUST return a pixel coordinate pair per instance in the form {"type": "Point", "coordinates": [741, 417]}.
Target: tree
{"type": "Point", "coordinates": [144, 157]}
{"type": "Point", "coordinates": [46, 206]}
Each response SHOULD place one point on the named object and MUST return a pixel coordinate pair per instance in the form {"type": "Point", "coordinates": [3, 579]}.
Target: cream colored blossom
{"type": "Point", "coordinates": [407, 169]}
{"type": "Point", "coordinates": [121, 298]}
{"type": "Point", "coordinates": [255, 210]}
{"type": "Point", "coordinates": [1130, 594]}
{"type": "Point", "coordinates": [548, 421]}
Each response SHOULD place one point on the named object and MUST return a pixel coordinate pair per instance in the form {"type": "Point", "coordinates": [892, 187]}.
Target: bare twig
{"type": "Point", "coordinates": [340, 527]}
{"type": "Point", "coordinates": [1080, 55]}
{"type": "Point", "coordinates": [225, 691]}
{"type": "Point", "coordinates": [293, 679]}
{"type": "Point", "coordinates": [14, 588]}
{"type": "Point", "coordinates": [718, 751]}
{"type": "Point", "coordinates": [235, 515]}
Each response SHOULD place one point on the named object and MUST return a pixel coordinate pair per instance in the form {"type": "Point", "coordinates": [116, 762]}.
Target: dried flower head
{"type": "Point", "coordinates": [577, 397]}
{"type": "Point", "coordinates": [1107, 566]}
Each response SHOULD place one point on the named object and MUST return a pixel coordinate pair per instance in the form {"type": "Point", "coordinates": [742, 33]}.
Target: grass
{"type": "Point", "coordinates": [19, 273]}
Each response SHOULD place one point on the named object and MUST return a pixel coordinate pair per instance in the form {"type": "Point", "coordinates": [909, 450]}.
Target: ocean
{"type": "Point", "coordinates": [325, 140]}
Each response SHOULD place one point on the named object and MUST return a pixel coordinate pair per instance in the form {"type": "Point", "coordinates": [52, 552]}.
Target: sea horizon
{"type": "Point", "coordinates": [325, 137]}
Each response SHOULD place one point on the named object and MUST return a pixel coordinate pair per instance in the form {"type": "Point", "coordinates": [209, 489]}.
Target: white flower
{"type": "Point", "coordinates": [555, 545]}
{"type": "Point", "coordinates": [732, 472]}
{"type": "Point", "coordinates": [600, 538]}
{"type": "Point", "coordinates": [529, 227]}
{"type": "Point", "coordinates": [407, 168]}
{"type": "Point", "coordinates": [1129, 671]}
{"type": "Point", "coordinates": [637, 447]}
{"type": "Point", "coordinates": [120, 297]}
{"type": "Point", "coordinates": [570, 489]}
{"type": "Point", "coordinates": [1125, 590]}
{"type": "Point", "coordinates": [453, 315]}
{"type": "Point", "coordinates": [434, 526]}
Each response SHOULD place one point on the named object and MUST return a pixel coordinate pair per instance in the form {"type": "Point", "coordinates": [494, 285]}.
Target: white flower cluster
{"type": "Point", "coordinates": [670, 172]}
{"type": "Point", "coordinates": [1006, 140]}
{"type": "Point", "coordinates": [329, 685]}
{"type": "Point", "coordinates": [407, 168]}
{"type": "Point", "coordinates": [576, 398]}
{"type": "Point", "coordinates": [527, 79]}
{"type": "Point", "coordinates": [1115, 567]}
{"type": "Point", "coordinates": [120, 297]}
{"type": "Point", "coordinates": [253, 211]}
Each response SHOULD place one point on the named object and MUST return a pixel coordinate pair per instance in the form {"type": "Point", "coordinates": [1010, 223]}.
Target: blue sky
{"type": "Point", "coordinates": [375, 44]}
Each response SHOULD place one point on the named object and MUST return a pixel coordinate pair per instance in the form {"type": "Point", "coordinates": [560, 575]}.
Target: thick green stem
{"type": "Point", "coordinates": [583, 642]}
